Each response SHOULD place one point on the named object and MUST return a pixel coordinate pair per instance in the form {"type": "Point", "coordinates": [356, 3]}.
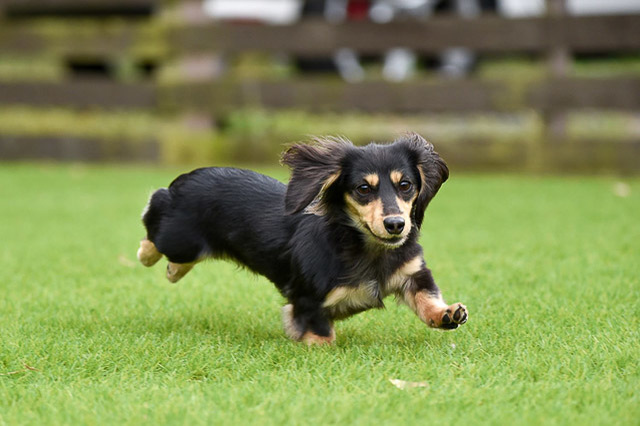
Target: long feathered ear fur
{"type": "Point", "coordinates": [314, 168]}
{"type": "Point", "coordinates": [432, 169]}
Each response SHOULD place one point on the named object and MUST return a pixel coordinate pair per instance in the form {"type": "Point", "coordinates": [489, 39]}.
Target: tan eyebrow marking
{"type": "Point", "coordinates": [396, 176]}
{"type": "Point", "coordinates": [372, 179]}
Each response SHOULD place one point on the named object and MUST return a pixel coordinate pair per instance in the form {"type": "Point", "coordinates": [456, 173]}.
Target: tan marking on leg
{"type": "Point", "coordinates": [289, 324]}
{"type": "Point", "coordinates": [413, 266]}
{"type": "Point", "coordinates": [292, 331]}
{"type": "Point", "coordinates": [372, 179]}
{"type": "Point", "coordinates": [396, 176]}
{"type": "Point", "coordinates": [175, 271]}
{"type": "Point", "coordinates": [311, 338]}
{"type": "Point", "coordinates": [432, 310]}
{"type": "Point", "coordinates": [148, 254]}
{"type": "Point", "coordinates": [396, 283]}
{"type": "Point", "coordinates": [429, 308]}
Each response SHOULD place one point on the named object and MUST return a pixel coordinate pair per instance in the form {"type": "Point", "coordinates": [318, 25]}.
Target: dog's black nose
{"type": "Point", "coordinates": [394, 225]}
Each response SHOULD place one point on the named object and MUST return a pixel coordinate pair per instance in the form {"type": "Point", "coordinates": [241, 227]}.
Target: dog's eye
{"type": "Point", "coordinates": [405, 186]}
{"type": "Point", "coordinates": [364, 189]}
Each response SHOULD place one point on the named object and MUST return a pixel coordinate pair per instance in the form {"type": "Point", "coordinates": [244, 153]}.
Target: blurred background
{"type": "Point", "coordinates": [499, 85]}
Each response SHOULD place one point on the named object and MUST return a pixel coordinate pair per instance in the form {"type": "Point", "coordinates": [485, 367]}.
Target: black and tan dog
{"type": "Point", "coordinates": [336, 241]}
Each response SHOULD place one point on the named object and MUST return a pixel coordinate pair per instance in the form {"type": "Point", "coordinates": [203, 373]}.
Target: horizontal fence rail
{"type": "Point", "coordinates": [410, 97]}
{"type": "Point", "coordinates": [74, 148]}
{"type": "Point", "coordinates": [21, 8]}
{"type": "Point", "coordinates": [80, 94]}
{"type": "Point", "coordinates": [483, 34]}
{"type": "Point", "coordinates": [469, 95]}
{"type": "Point", "coordinates": [84, 38]}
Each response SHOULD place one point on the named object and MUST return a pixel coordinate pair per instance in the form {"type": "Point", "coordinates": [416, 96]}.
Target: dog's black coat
{"type": "Point", "coordinates": [300, 236]}
{"type": "Point", "coordinates": [205, 214]}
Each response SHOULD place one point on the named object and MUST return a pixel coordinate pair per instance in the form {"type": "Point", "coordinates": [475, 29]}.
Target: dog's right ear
{"type": "Point", "coordinates": [314, 168]}
{"type": "Point", "coordinates": [432, 169]}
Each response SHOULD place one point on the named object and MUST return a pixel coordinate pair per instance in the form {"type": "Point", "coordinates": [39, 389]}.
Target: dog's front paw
{"type": "Point", "coordinates": [436, 313]}
{"type": "Point", "coordinates": [452, 317]}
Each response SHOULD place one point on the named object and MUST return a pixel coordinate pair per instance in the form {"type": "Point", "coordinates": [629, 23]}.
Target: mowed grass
{"type": "Point", "coordinates": [549, 268]}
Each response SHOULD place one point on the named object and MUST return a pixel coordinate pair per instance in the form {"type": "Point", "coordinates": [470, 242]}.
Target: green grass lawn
{"type": "Point", "coordinates": [549, 268]}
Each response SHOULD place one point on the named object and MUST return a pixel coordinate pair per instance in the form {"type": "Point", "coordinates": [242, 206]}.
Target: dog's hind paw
{"type": "Point", "coordinates": [293, 330]}
{"type": "Point", "coordinates": [453, 317]}
{"type": "Point", "coordinates": [312, 339]}
{"type": "Point", "coordinates": [175, 271]}
{"type": "Point", "coordinates": [148, 254]}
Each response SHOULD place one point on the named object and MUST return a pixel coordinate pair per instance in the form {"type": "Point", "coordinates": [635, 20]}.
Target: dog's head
{"type": "Point", "coordinates": [383, 189]}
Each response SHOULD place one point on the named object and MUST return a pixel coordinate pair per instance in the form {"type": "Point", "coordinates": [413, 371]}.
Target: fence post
{"type": "Point", "coordinates": [559, 61]}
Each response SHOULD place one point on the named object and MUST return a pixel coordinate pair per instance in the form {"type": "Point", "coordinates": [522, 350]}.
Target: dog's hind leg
{"type": "Point", "coordinates": [306, 328]}
{"type": "Point", "coordinates": [175, 271]}
{"type": "Point", "coordinates": [148, 254]}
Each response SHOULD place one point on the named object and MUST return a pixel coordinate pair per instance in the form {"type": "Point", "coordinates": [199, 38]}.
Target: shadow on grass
{"type": "Point", "coordinates": [239, 325]}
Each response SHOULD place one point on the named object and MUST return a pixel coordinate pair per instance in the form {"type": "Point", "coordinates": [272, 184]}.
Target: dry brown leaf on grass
{"type": "Point", "coordinates": [403, 384]}
{"type": "Point", "coordinates": [24, 370]}
{"type": "Point", "coordinates": [10, 373]}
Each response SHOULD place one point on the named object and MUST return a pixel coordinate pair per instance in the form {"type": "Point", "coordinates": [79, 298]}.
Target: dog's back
{"type": "Point", "coordinates": [220, 212]}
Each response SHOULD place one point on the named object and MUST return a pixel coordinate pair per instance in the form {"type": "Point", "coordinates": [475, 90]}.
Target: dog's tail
{"type": "Point", "coordinates": [158, 203]}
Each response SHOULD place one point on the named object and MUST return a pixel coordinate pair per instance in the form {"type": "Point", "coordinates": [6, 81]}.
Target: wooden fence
{"type": "Point", "coordinates": [157, 40]}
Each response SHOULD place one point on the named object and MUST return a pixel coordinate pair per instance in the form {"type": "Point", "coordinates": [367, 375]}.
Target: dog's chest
{"type": "Point", "coordinates": [346, 300]}
{"type": "Point", "coordinates": [368, 292]}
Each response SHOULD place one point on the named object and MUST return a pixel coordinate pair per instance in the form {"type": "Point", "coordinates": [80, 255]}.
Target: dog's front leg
{"type": "Point", "coordinates": [307, 321]}
{"type": "Point", "coordinates": [424, 297]}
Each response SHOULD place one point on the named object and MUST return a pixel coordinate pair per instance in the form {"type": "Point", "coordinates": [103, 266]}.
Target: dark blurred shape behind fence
{"type": "Point", "coordinates": [139, 34]}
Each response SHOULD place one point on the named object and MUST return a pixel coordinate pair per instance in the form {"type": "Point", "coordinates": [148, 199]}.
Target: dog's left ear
{"type": "Point", "coordinates": [432, 169]}
{"type": "Point", "coordinates": [314, 168]}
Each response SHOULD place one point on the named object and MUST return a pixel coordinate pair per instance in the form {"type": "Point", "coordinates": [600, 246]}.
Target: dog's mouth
{"type": "Point", "coordinates": [391, 242]}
